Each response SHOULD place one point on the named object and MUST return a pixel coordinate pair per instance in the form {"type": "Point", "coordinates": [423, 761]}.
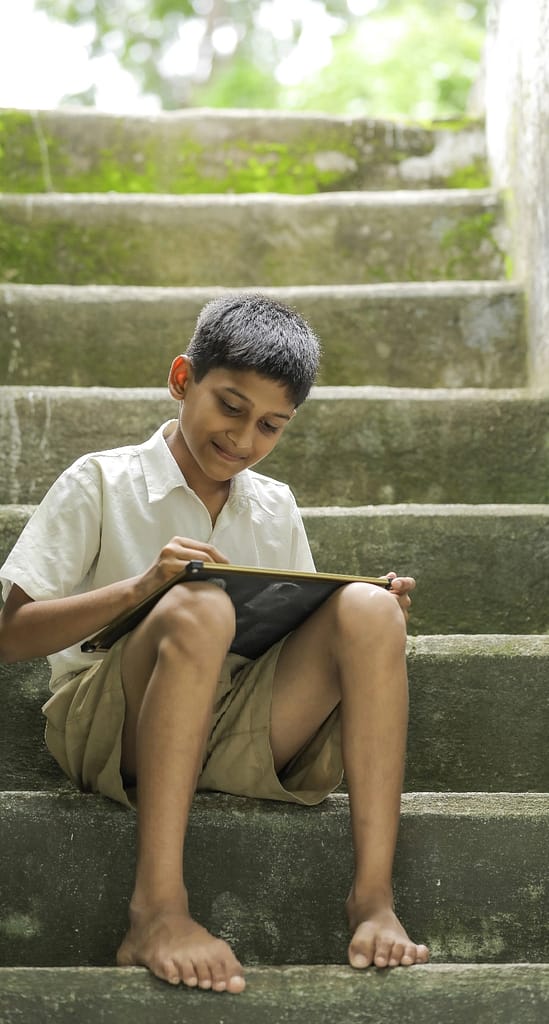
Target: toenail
{"type": "Point", "coordinates": [359, 960]}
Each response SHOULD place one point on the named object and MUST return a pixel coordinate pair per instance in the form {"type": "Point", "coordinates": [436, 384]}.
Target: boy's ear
{"type": "Point", "coordinates": [180, 373]}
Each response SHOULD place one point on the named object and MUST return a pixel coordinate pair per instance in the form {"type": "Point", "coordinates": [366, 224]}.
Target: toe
{"type": "Point", "coordinates": [361, 950]}
{"type": "Point", "coordinates": [219, 976]}
{"type": "Point", "coordinates": [409, 955]}
{"type": "Point", "coordinates": [203, 974]}
{"type": "Point", "coordinates": [188, 974]}
{"type": "Point", "coordinates": [383, 952]}
{"type": "Point", "coordinates": [397, 953]}
{"type": "Point", "coordinates": [422, 954]}
{"type": "Point", "coordinates": [167, 970]}
{"type": "Point", "coordinates": [236, 984]}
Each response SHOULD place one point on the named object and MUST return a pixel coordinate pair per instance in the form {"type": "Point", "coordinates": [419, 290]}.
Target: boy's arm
{"type": "Point", "coordinates": [31, 629]}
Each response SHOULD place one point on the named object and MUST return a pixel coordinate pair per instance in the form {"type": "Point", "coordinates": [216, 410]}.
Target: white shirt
{"type": "Point", "coordinates": [108, 515]}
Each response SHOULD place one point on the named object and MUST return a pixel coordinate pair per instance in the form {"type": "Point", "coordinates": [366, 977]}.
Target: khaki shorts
{"type": "Point", "coordinates": [85, 717]}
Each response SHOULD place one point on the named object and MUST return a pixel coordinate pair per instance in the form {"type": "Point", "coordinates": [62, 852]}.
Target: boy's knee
{"type": "Point", "coordinates": [197, 615]}
{"type": "Point", "coordinates": [370, 610]}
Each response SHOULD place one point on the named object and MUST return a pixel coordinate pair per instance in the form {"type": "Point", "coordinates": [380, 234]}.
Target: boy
{"type": "Point", "coordinates": [167, 709]}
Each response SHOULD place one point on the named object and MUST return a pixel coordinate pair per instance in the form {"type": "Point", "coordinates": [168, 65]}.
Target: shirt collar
{"type": "Point", "coordinates": [162, 474]}
{"type": "Point", "coordinates": [160, 470]}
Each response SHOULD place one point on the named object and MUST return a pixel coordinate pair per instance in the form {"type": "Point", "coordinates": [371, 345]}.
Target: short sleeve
{"type": "Point", "coordinates": [59, 544]}
{"type": "Point", "coordinates": [301, 559]}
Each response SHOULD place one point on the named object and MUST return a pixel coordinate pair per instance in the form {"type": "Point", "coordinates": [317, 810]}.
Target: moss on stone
{"type": "Point", "coordinates": [466, 244]}
{"type": "Point", "coordinates": [46, 254]}
{"type": "Point", "coordinates": [110, 174]}
{"type": "Point", "coordinates": [32, 159]}
{"type": "Point", "coordinates": [247, 166]}
{"type": "Point", "coordinates": [268, 169]}
{"type": "Point", "coordinates": [453, 124]}
{"type": "Point", "coordinates": [474, 175]}
{"type": "Point", "coordinates": [510, 270]}
{"type": "Point", "coordinates": [22, 154]}
{"type": "Point", "coordinates": [272, 167]}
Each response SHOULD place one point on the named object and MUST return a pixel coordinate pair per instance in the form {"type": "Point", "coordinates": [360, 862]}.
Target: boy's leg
{"type": "Point", "coordinates": [170, 670]}
{"type": "Point", "coordinates": [353, 649]}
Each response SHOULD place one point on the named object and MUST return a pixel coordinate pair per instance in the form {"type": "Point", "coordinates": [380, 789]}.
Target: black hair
{"type": "Point", "coordinates": [248, 331]}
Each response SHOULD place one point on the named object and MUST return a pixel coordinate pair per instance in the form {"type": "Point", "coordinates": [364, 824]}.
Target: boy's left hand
{"type": "Point", "coordinates": [401, 587]}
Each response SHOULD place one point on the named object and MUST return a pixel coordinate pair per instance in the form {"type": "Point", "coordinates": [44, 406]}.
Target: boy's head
{"type": "Point", "coordinates": [255, 332]}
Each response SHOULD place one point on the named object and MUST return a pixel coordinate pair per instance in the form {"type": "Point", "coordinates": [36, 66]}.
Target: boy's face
{"type": "Point", "coordinates": [229, 420]}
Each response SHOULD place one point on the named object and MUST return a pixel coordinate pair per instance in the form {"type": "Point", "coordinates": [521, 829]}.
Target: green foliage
{"type": "Point", "coordinates": [475, 175]}
{"type": "Point", "coordinates": [241, 84]}
{"type": "Point", "coordinates": [414, 63]}
{"type": "Point", "coordinates": [407, 58]}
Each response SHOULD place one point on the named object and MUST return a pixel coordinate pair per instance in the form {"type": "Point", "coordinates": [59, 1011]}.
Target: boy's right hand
{"type": "Point", "coordinates": [173, 558]}
{"type": "Point", "coordinates": [32, 629]}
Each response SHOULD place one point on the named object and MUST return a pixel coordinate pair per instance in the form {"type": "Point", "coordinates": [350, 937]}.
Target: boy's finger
{"type": "Point", "coordinates": [198, 549]}
{"type": "Point", "coordinates": [403, 584]}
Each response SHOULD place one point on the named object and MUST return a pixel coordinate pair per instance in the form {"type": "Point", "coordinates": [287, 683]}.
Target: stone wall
{"type": "Point", "coordinates": [517, 116]}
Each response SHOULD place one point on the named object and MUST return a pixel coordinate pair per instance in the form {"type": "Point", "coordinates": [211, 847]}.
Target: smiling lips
{"type": "Point", "coordinates": [226, 455]}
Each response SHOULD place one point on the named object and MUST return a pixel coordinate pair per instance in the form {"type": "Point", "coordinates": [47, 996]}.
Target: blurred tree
{"type": "Point", "coordinates": [414, 58]}
{"type": "Point", "coordinates": [411, 59]}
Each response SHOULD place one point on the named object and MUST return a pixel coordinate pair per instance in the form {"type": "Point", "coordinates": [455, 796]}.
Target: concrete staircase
{"type": "Point", "coordinates": [424, 449]}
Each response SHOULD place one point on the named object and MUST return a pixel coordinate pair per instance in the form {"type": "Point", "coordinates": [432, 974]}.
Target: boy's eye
{"type": "Point", "coordinates": [269, 427]}
{"type": "Point", "coordinates": [233, 410]}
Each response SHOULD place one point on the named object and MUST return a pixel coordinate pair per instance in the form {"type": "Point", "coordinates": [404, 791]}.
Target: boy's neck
{"type": "Point", "coordinates": [214, 500]}
{"type": "Point", "coordinates": [212, 493]}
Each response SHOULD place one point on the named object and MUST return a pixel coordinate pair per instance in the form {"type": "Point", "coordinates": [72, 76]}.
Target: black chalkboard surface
{"type": "Point", "coordinates": [269, 602]}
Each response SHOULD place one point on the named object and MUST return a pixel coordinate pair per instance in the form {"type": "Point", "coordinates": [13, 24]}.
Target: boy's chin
{"type": "Point", "coordinates": [223, 474]}
{"type": "Point", "coordinates": [223, 468]}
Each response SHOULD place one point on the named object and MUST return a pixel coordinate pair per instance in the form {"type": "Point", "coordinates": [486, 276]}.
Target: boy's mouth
{"type": "Point", "coordinates": [227, 455]}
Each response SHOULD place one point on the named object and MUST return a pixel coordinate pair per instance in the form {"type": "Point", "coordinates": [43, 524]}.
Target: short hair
{"type": "Point", "coordinates": [255, 332]}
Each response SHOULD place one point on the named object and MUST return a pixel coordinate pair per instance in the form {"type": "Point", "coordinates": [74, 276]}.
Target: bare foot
{"type": "Point", "coordinates": [177, 949]}
{"type": "Point", "coordinates": [380, 939]}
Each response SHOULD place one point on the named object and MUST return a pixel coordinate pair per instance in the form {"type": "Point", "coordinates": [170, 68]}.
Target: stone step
{"type": "Point", "coordinates": [346, 446]}
{"type": "Point", "coordinates": [455, 741]}
{"type": "Point", "coordinates": [231, 151]}
{"type": "Point", "coordinates": [469, 877]}
{"type": "Point", "coordinates": [479, 568]}
{"type": "Point", "coordinates": [453, 993]}
{"type": "Point", "coordinates": [461, 334]}
{"type": "Point", "coordinates": [251, 240]}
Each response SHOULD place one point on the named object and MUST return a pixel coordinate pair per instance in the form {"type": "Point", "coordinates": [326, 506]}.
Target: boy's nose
{"type": "Point", "coordinates": [242, 438]}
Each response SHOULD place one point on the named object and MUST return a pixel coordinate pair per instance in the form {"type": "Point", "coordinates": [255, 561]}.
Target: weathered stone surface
{"type": "Point", "coordinates": [350, 238]}
{"type": "Point", "coordinates": [517, 106]}
{"type": "Point", "coordinates": [460, 334]}
{"type": "Point", "coordinates": [455, 994]}
{"type": "Point", "coordinates": [25, 762]}
{"type": "Point", "coordinates": [479, 569]}
{"type": "Point", "coordinates": [230, 151]}
{"type": "Point", "coordinates": [12, 521]}
{"type": "Point", "coordinates": [346, 446]}
{"type": "Point", "coordinates": [456, 740]}
{"type": "Point", "coordinates": [465, 730]}
{"type": "Point", "coordinates": [67, 860]}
